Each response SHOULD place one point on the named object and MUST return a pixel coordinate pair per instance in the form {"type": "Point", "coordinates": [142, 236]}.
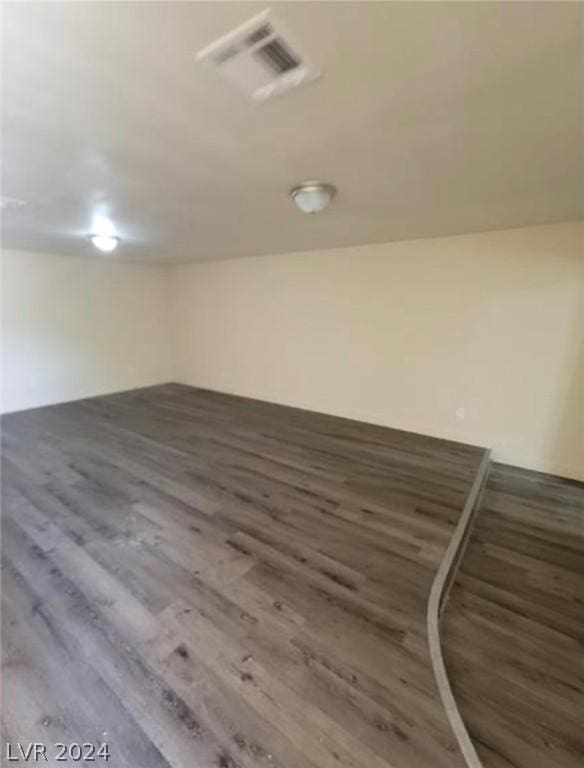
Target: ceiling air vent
{"type": "Point", "coordinates": [260, 58]}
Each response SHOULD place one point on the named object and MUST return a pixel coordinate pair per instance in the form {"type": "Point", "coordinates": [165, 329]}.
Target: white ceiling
{"type": "Point", "coordinates": [431, 119]}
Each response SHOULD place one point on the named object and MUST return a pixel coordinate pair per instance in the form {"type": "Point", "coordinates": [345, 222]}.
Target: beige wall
{"type": "Point", "coordinates": [402, 334]}
{"type": "Point", "coordinates": [73, 328]}
{"type": "Point", "coordinates": [405, 334]}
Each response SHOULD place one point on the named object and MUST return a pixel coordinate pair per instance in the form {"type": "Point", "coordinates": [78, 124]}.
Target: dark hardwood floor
{"type": "Point", "coordinates": [513, 630]}
{"type": "Point", "coordinates": [201, 580]}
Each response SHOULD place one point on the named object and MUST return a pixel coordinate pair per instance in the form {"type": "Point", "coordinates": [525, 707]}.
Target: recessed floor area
{"type": "Point", "coordinates": [513, 630]}
{"type": "Point", "coordinates": [204, 580]}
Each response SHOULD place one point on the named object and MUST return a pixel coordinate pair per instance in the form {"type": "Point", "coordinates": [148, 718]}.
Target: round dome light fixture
{"type": "Point", "coordinates": [106, 243]}
{"type": "Point", "coordinates": [312, 196]}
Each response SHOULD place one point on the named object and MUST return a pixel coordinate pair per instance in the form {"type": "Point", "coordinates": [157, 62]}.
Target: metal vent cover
{"type": "Point", "coordinates": [260, 58]}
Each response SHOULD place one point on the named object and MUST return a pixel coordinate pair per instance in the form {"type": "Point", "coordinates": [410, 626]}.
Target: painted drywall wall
{"type": "Point", "coordinates": [74, 328]}
{"type": "Point", "coordinates": [478, 338]}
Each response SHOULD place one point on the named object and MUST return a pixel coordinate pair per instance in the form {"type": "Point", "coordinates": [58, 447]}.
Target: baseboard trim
{"type": "Point", "coordinates": [438, 596]}
{"type": "Point", "coordinates": [91, 396]}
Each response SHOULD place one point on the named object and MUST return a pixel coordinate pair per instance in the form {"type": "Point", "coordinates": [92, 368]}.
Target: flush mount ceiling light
{"type": "Point", "coordinates": [103, 237]}
{"type": "Point", "coordinates": [105, 243]}
{"type": "Point", "coordinates": [312, 196]}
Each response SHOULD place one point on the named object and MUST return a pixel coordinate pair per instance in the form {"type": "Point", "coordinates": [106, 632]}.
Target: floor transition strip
{"type": "Point", "coordinates": [438, 597]}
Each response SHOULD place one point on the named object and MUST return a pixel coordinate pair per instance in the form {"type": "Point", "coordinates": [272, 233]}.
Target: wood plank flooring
{"type": "Point", "coordinates": [513, 630]}
{"type": "Point", "coordinates": [202, 580]}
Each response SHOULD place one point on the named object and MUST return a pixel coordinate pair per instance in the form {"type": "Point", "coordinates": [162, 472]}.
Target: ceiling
{"type": "Point", "coordinates": [431, 119]}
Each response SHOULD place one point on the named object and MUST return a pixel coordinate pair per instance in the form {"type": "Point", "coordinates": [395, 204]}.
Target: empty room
{"type": "Point", "coordinates": [292, 345]}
